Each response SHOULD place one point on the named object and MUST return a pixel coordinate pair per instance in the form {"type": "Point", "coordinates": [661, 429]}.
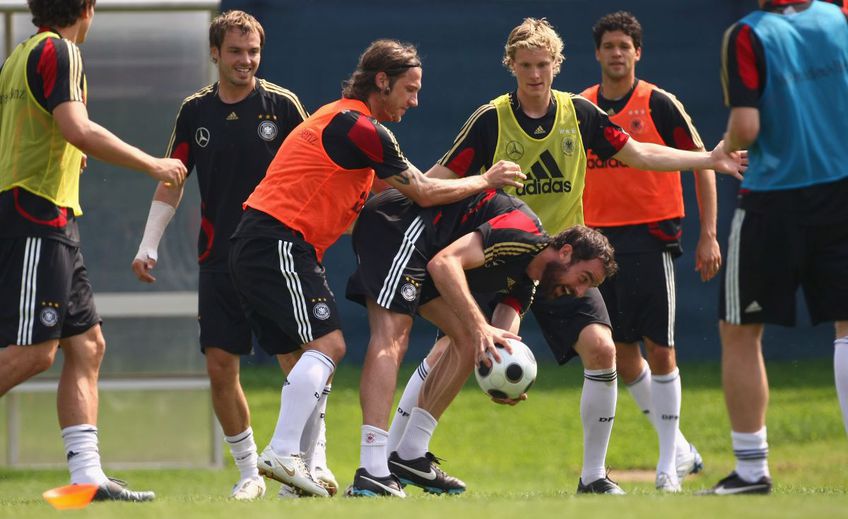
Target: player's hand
{"type": "Point", "coordinates": [489, 340]}
{"type": "Point", "coordinates": [733, 163]}
{"type": "Point", "coordinates": [142, 268]}
{"type": "Point", "coordinates": [171, 172]}
{"type": "Point", "coordinates": [707, 257]}
{"type": "Point", "coordinates": [504, 173]}
{"type": "Point", "coordinates": [510, 401]}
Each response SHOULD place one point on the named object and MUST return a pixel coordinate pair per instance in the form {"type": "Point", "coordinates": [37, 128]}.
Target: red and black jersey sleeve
{"type": "Point", "coordinates": [353, 140]}
{"type": "Point", "coordinates": [474, 148]}
{"type": "Point", "coordinates": [599, 134]}
{"type": "Point", "coordinates": [179, 146]}
{"type": "Point", "coordinates": [55, 73]}
{"type": "Point", "coordinates": [672, 122]}
{"type": "Point", "coordinates": [743, 67]}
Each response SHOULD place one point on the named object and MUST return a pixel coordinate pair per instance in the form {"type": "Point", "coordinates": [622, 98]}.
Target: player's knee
{"type": "Point", "coordinates": [335, 350]}
{"type": "Point", "coordinates": [221, 371]}
{"type": "Point", "coordinates": [661, 359]}
{"type": "Point", "coordinates": [40, 359]}
{"type": "Point", "coordinates": [596, 348]}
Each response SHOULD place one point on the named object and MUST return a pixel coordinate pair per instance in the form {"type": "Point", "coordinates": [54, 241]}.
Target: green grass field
{"type": "Point", "coordinates": [523, 461]}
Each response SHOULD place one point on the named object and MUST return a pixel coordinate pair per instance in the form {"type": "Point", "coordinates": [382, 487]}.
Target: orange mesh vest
{"type": "Point", "coordinates": [305, 190]}
{"type": "Point", "coordinates": [617, 194]}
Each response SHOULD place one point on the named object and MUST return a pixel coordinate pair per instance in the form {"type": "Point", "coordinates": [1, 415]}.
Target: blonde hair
{"type": "Point", "coordinates": [534, 34]}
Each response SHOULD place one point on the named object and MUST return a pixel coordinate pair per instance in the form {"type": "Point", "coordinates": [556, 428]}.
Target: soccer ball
{"type": "Point", "coordinates": [510, 377]}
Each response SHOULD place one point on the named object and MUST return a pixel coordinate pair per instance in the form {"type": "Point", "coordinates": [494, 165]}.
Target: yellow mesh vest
{"type": "Point", "coordinates": [555, 165]}
{"type": "Point", "coordinates": [34, 155]}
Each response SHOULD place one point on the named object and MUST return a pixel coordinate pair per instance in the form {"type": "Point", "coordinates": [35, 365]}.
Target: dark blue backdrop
{"type": "Point", "coordinates": [312, 46]}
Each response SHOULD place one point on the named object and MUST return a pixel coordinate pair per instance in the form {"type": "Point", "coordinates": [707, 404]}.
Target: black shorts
{"type": "Point", "coordinates": [220, 315]}
{"type": "Point", "coordinates": [390, 266]}
{"type": "Point", "coordinates": [44, 291]}
{"type": "Point", "coordinates": [770, 254]}
{"type": "Point", "coordinates": [640, 298]}
{"type": "Point", "coordinates": [283, 290]}
{"type": "Point", "coordinates": [562, 319]}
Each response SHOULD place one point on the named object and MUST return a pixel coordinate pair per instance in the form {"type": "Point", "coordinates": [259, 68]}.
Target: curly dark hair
{"type": "Point", "coordinates": [57, 13]}
{"type": "Point", "coordinates": [618, 21]}
{"type": "Point", "coordinates": [587, 244]}
{"type": "Point", "coordinates": [390, 56]}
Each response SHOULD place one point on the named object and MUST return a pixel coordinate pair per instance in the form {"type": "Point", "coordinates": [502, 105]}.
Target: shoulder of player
{"type": "Point", "coordinates": [276, 91]}
{"type": "Point", "coordinates": [664, 99]}
{"type": "Point", "coordinates": [583, 106]}
{"type": "Point", "coordinates": [484, 116]}
{"type": "Point", "coordinates": [64, 50]}
{"type": "Point", "coordinates": [344, 120]}
{"type": "Point", "coordinates": [205, 94]}
{"type": "Point", "coordinates": [732, 35]}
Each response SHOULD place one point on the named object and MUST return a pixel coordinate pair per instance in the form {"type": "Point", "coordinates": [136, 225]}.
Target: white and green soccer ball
{"type": "Point", "coordinates": [510, 377]}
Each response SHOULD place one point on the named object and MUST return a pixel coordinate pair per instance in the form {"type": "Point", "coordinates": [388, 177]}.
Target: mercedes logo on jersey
{"type": "Point", "coordinates": [201, 137]}
{"type": "Point", "coordinates": [514, 150]}
{"type": "Point", "coordinates": [267, 130]}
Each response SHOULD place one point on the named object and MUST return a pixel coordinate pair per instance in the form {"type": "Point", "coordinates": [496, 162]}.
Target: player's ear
{"type": "Point", "coordinates": [215, 54]}
{"type": "Point", "coordinates": [565, 252]}
{"type": "Point", "coordinates": [381, 81]}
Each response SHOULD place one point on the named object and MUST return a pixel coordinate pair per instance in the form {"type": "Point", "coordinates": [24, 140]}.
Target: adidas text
{"type": "Point", "coordinates": [537, 187]}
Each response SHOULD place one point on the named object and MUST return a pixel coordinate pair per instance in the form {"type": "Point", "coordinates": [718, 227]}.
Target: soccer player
{"type": "Point", "coordinates": [408, 257]}
{"type": "Point", "coordinates": [784, 69]}
{"type": "Point", "coordinates": [312, 192]}
{"type": "Point", "coordinates": [640, 212]}
{"type": "Point", "coordinates": [546, 132]}
{"type": "Point", "coordinates": [230, 132]}
{"type": "Point", "coordinates": [47, 301]}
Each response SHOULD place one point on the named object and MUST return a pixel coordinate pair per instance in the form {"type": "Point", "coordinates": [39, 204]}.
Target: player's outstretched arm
{"type": "Point", "coordinates": [162, 209]}
{"type": "Point", "coordinates": [426, 190]}
{"type": "Point", "coordinates": [655, 157]}
{"type": "Point", "coordinates": [447, 269]}
{"type": "Point", "coordinates": [96, 141]}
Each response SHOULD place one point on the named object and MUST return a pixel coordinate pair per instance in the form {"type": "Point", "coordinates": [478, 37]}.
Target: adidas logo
{"type": "Point", "coordinates": [544, 177]}
{"type": "Point", "coordinates": [539, 131]}
{"type": "Point", "coordinates": [232, 117]}
{"type": "Point", "coordinates": [753, 307]}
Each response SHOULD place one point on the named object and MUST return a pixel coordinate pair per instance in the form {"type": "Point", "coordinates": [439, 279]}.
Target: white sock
{"type": "Point", "coordinates": [751, 451]}
{"type": "Point", "coordinates": [372, 451]}
{"type": "Point", "coordinates": [408, 400]}
{"type": "Point", "coordinates": [840, 370]}
{"type": "Point", "coordinates": [416, 439]}
{"type": "Point", "coordinates": [243, 449]}
{"type": "Point", "coordinates": [83, 454]}
{"type": "Point", "coordinates": [681, 444]}
{"type": "Point", "coordinates": [299, 397]}
{"type": "Point", "coordinates": [597, 411]}
{"type": "Point", "coordinates": [313, 443]}
{"type": "Point", "coordinates": [640, 390]}
{"type": "Point", "coordinates": [665, 392]}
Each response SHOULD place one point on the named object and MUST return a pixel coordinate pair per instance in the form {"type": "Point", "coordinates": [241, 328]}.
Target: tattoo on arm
{"type": "Point", "coordinates": [402, 178]}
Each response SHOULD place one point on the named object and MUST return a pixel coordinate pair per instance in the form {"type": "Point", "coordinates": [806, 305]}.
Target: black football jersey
{"type": "Point", "coordinates": [230, 147]}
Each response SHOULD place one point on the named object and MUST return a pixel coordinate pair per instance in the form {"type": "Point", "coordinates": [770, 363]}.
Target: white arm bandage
{"type": "Point", "coordinates": [157, 220]}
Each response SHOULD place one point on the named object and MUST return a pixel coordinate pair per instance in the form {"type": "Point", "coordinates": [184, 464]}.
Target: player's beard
{"type": "Point", "coordinates": [553, 271]}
